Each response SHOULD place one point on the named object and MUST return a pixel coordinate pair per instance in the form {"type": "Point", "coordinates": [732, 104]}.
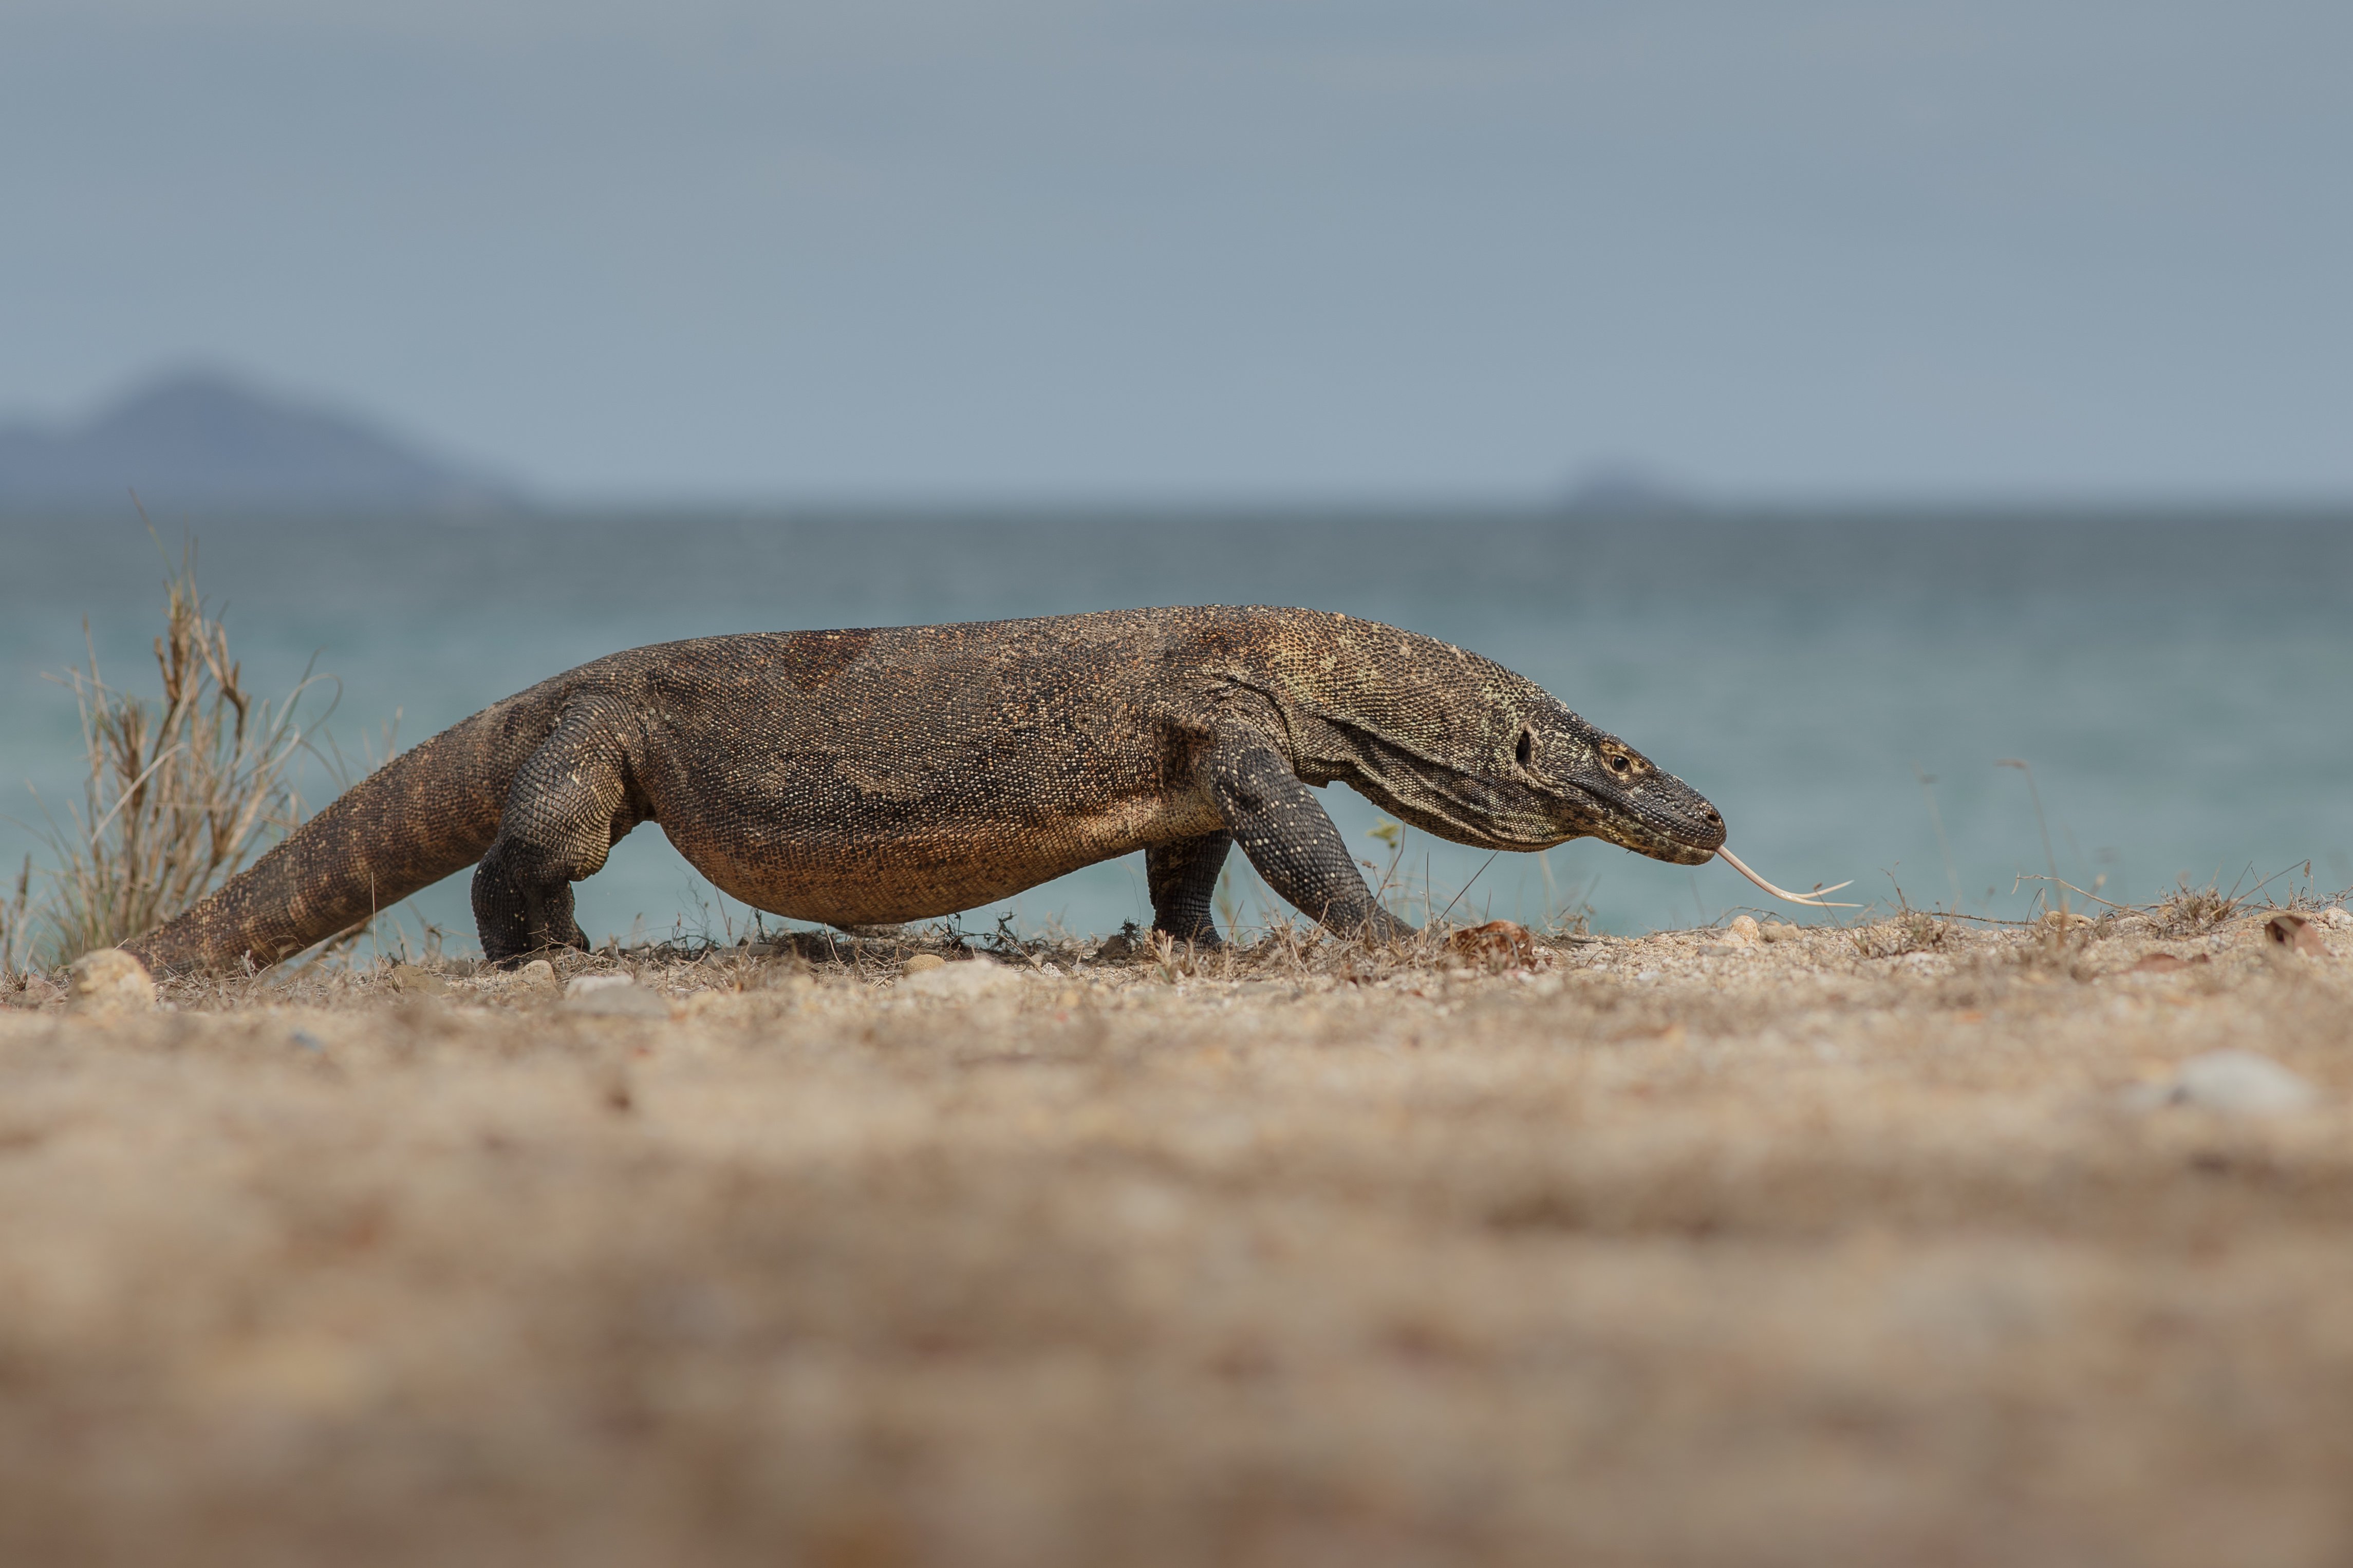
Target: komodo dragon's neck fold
{"type": "Point", "coordinates": [884, 775]}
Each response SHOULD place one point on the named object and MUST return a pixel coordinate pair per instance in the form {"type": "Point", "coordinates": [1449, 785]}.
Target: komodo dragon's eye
{"type": "Point", "coordinates": [1620, 764]}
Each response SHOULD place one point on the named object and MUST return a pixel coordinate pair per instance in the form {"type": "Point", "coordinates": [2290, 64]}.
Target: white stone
{"type": "Point", "coordinates": [109, 977]}
{"type": "Point", "coordinates": [973, 977]}
{"type": "Point", "coordinates": [2334, 915]}
{"type": "Point", "coordinates": [2239, 1082]}
{"type": "Point", "coordinates": [612, 997]}
{"type": "Point", "coordinates": [589, 985]}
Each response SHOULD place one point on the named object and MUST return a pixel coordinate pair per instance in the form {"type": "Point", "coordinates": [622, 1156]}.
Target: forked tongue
{"type": "Point", "coordinates": [1814, 898]}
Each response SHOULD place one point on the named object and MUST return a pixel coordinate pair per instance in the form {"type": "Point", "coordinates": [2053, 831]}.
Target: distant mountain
{"type": "Point", "coordinates": [205, 439]}
{"type": "Point", "coordinates": [1626, 489]}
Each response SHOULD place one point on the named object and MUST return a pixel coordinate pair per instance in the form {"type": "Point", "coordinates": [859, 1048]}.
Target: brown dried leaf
{"type": "Point", "coordinates": [2296, 933]}
{"type": "Point", "coordinates": [1498, 943]}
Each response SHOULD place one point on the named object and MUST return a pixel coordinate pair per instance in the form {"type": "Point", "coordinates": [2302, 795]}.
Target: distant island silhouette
{"type": "Point", "coordinates": [206, 438]}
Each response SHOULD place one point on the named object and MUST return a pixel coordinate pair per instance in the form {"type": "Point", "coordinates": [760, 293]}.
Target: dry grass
{"type": "Point", "coordinates": [180, 792]}
{"type": "Point", "coordinates": [1668, 1250]}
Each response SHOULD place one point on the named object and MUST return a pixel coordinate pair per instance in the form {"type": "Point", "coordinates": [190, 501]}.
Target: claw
{"type": "Point", "coordinates": [1814, 898]}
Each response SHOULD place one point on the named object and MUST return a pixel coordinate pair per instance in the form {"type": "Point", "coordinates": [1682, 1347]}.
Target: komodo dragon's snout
{"type": "Point", "coordinates": [877, 775]}
{"type": "Point", "coordinates": [1541, 776]}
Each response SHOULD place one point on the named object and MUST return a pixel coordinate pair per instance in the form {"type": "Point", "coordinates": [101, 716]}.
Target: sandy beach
{"type": "Point", "coordinates": [1910, 1244]}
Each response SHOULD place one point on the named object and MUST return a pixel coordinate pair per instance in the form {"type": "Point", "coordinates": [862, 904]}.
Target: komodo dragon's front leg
{"type": "Point", "coordinates": [1290, 840]}
{"type": "Point", "coordinates": [569, 803]}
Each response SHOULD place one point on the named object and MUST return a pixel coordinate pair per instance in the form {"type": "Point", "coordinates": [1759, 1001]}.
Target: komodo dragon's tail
{"type": "Point", "coordinates": [430, 811]}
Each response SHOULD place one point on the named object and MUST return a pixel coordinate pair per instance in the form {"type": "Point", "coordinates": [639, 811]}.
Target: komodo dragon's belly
{"type": "Point", "coordinates": [918, 873]}
{"type": "Point", "coordinates": [865, 813]}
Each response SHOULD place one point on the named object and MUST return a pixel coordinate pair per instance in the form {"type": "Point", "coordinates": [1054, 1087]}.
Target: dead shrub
{"type": "Point", "coordinates": [1912, 930]}
{"type": "Point", "coordinates": [2193, 911]}
{"type": "Point", "coordinates": [180, 792]}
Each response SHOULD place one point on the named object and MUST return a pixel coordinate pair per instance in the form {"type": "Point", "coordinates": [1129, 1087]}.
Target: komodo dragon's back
{"type": "Point", "coordinates": [885, 775]}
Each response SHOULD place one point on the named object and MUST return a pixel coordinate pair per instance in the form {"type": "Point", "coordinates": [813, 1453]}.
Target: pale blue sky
{"type": "Point", "coordinates": [1020, 248]}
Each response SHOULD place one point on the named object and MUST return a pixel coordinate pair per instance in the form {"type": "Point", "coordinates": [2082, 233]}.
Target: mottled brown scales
{"type": "Point", "coordinates": [874, 776]}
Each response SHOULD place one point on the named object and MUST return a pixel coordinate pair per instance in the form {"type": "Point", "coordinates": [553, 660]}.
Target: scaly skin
{"type": "Point", "coordinates": [871, 777]}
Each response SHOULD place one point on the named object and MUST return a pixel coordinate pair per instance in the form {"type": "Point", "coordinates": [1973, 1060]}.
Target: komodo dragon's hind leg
{"type": "Point", "coordinates": [569, 804]}
{"type": "Point", "coordinates": [1183, 880]}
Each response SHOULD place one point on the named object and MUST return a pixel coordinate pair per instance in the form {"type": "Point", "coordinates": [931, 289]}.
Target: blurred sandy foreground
{"type": "Point", "coordinates": [1672, 1250]}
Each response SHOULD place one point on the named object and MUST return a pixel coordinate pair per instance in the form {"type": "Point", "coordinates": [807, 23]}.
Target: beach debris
{"type": "Point", "coordinates": [2297, 935]}
{"type": "Point", "coordinates": [2235, 1083]}
{"type": "Point", "coordinates": [2168, 963]}
{"type": "Point", "coordinates": [33, 992]}
{"type": "Point", "coordinates": [107, 978]}
{"type": "Point", "coordinates": [1119, 949]}
{"type": "Point", "coordinates": [1814, 898]}
{"type": "Point", "coordinates": [1743, 930]}
{"type": "Point", "coordinates": [1781, 930]}
{"type": "Point", "coordinates": [923, 961]}
{"type": "Point", "coordinates": [538, 972]}
{"type": "Point", "coordinates": [612, 997]}
{"type": "Point", "coordinates": [1498, 943]}
{"type": "Point", "coordinates": [973, 977]}
{"type": "Point", "coordinates": [416, 980]}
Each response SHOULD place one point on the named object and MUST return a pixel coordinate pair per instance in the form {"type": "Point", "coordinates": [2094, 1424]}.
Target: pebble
{"type": "Point", "coordinates": [538, 972]}
{"type": "Point", "coordinates": [2239, 1083]}
{"type": "Point", "coordinates": [612, 997]}
{"type": "Point", "coordinates": [973, 977]}
{"type": "Point", "coordinates": [2334, 915]}
{"type": "Point", "coordinates": [109, 977]}
{"type": "Point", "coordinates": [924, 961]}
{"type": "Point", "coordinates": [1780, 931]}
{"type": "Point", "coordinates": [1743, 930]}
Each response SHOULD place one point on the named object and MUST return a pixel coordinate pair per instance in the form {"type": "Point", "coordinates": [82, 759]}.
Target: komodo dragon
{"type": "Point", "coordinates": [871, 778]}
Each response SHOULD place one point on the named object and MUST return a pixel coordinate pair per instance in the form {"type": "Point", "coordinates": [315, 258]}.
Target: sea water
{"type": "Point", "coordinates": [1843, 687]}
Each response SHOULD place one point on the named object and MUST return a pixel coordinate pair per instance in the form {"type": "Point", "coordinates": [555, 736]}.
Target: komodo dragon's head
{"type": "Point", "coordinates": [1458, 746]}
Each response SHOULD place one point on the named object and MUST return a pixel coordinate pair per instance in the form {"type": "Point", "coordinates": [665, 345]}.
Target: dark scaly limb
{"type": "Point", "coordinates": [1291, 841]}
{"type": "Point", "coordinates": [569, 804]}
{"type": "Point", "coordinates": [1183, 878]}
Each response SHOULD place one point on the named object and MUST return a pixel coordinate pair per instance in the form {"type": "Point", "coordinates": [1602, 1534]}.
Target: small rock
{"type": "Point", "coordinates": [538, 972]}
{"type": "Point", "coordinates": [415, 980]}
{"type": "Point", "coordinates": [1780, 931]}
{"type": "Point", "coordinates": [922, 961]}
{"type": "Point", "coordinates": [975, 977]}
{"type": "Point", "coordinates": [109, 977]}
{"type": "Point", "coordinates": [2234, 1082]}
{"type": "Point", "coordinates": [1118, 950]}
{"type": "Point", "coordinates": [612, 997]}
{"type": "Point", "coordinates": [1743, 930]}
{"type": "Point", "coordinates": [2334, 915]}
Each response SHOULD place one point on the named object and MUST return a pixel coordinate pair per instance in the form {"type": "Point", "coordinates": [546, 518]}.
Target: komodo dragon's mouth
{"type": "Point", "coordinates": [1663, 817]}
